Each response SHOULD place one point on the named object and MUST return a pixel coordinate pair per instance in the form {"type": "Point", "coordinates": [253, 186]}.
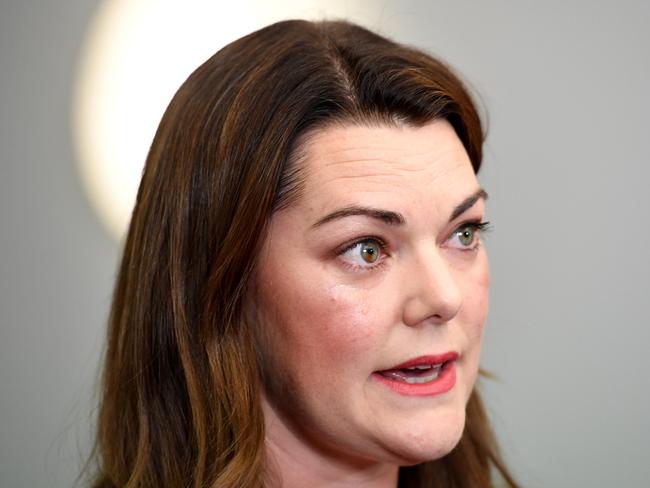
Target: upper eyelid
{"type": "Point", "coordinates": [355, 242]}
{"type": "Point", "coordinates": [480, 225]}
{"type": "Point", "coordinates": [476, 223]}
{"type": "Point", "coordinates": [472, 221]}
{"type": "Point", "coordinates": [465, 219]}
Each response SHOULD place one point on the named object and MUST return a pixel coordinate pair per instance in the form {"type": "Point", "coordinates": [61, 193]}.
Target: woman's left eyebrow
{"type": "Point", "coordinates": [468, 203]}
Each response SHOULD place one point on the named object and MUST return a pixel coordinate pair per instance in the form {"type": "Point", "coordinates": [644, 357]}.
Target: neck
{"type": "Point", "coordinates": [293, 462]}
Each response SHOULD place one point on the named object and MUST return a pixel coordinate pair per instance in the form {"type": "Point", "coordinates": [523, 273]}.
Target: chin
{"type": "Point", "coordinates": [432, 442]}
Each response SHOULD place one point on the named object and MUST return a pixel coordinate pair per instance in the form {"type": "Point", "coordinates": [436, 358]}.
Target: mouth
{"type": "Point", "coordinates": [415, 375]}
{"type": "Point", "coordinates": [422, 376]}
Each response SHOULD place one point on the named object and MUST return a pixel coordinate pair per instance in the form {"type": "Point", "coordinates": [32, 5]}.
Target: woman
{"type": "Point", "coordinates": [303, 287]}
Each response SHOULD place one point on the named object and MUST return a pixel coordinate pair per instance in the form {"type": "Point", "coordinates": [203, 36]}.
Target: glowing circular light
{"type": "Point", "coordinates": [136, 55]}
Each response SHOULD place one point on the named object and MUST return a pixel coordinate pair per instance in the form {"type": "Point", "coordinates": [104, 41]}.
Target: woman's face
{"type": "Point", "coordinates": [370, 296]}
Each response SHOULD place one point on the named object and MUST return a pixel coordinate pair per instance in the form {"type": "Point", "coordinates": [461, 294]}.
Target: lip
{"type": "Point", "coordinates": [437, 359]}
{"type": "Point", "coordinates": [443, 383]}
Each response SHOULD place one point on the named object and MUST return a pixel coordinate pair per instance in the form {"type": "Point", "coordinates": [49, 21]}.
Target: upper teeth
{"type": "Point", "coordinates": [425, 366]}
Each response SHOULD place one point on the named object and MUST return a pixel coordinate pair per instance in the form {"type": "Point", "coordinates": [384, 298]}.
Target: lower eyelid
{"type": "Point", "coordinates": [475, 245]}
{"type": "Point", "coordinates": [359, 268]}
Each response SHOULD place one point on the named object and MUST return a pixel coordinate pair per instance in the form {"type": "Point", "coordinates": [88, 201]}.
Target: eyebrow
{"type": "Point", "coordinates": [395, 218]}
{"type": "Point", "coordinates": [468, 203]}
{"type": "Point", "coordinates": [386, 216]}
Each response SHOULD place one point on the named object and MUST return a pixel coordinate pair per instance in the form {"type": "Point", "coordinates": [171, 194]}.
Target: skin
{"type": "Point", "coordinates": [326, 320]}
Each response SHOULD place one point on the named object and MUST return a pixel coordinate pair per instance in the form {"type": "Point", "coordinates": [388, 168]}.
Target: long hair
{"type": "Point", "coordinates": [180, 402]}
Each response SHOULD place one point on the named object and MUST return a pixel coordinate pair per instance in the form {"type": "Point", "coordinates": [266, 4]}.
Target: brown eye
{"type": "Point", "coordinates": [366, 253]}
{"type": "Point", "coordinates": [369, 251]}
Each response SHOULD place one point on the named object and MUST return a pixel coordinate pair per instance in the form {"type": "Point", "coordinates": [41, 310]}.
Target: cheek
{"type": "Point", "coordinates": [311, 324]}
{"type": "Point", "coordinates": [476, 293]}
{"type": "Point", "coordinates": [317, 350]}
{"type": "Point", "coordinates": [475, 308]}
{"type": "Point", "coordinates": [474, 312]}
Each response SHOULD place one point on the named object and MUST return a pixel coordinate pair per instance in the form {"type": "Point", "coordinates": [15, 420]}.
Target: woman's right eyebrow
{"type": "Point", "coordinates": [386, 216]}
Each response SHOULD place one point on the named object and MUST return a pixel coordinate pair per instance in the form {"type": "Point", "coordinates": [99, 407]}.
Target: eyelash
{"type": "Point", "coordinates": [475, 226]}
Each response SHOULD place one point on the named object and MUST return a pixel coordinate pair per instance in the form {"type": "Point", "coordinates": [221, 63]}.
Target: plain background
{"type": "Point", "coordinates": [567, 166]}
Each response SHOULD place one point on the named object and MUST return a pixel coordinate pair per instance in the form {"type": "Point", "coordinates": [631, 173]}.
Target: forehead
{"type": "Point", "coordinates": [395, 163]}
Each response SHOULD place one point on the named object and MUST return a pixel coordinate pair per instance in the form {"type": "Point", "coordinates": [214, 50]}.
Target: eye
{"type": "Point", "coordinates": [366, 253]}
{"type": "Point", "coordinates": [466, 237]}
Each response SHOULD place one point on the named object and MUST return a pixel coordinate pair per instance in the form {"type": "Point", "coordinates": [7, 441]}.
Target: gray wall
{"type": "Point", "coordinates": [566, 87]}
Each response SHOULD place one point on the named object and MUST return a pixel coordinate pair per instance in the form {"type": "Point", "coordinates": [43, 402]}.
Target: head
{"type": "Point", "coordinates": [247, 266]}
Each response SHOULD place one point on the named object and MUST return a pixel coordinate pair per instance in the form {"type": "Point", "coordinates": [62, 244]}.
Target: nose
{"type": "Point", "coordinates": [432, 292]}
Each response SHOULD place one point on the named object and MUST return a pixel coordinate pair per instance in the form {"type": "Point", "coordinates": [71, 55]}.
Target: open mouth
{"type": "Point", "coordinates": [423, 376]}
{"type": "Point", "coordinates": [415, 374]}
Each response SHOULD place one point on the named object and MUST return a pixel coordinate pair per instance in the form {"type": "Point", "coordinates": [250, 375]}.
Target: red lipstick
{"type": "Point", "coordinates": [421, 376]}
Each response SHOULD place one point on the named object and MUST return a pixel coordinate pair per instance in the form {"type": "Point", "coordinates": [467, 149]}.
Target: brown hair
{"type": "Point", "coordinates": [180, 394]}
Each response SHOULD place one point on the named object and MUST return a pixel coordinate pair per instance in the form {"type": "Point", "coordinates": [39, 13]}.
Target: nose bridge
{"type": "Point", "coordinates": [433, 292]}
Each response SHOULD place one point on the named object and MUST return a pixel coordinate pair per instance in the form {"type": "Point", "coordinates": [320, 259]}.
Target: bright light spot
{"type": "Point", "coordinates": [136, 55]}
